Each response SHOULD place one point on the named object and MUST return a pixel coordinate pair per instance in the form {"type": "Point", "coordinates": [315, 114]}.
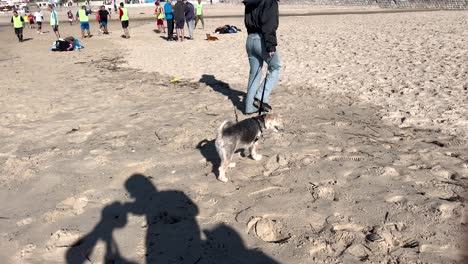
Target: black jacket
{"type": "Point", "coordinates": [262, 16]}
{"type": "Point", "coordinates": [180, 9]}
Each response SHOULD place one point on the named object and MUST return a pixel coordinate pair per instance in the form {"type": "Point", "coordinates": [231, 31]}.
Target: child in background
{"type": "Point", "coordinates": [98, 18]}
{"type": "Point", "coordinates": [31, 20]}
{"type": "Point", "coordinates": [159, 13]}
{"type": "Point", "coordinates": [26, 19]}
{"type": "Point", "coordinates": [70, 17]}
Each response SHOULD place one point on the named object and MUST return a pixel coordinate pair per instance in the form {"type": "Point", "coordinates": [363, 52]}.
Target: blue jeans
{"type": "Point", "coordinates": [257, 54]}
{"type": "Point", "coordinates": [191, 27]}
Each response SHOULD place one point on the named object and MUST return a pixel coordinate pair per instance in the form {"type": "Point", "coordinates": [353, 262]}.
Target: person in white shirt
{"type": "Point", "coordinates": [38, 17]}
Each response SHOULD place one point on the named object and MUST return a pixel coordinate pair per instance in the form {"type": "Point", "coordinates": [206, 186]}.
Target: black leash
{"type": "Point", "coordinates": [263, 93]}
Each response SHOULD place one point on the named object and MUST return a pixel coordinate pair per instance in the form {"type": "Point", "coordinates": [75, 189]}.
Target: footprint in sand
{"type": "Point", "coordinates": [347, 158]}
{"type": "Point", "coordinates": [63, 239]}
{"type": "Point", "coordinates": [25, 221]}
{"type": "Point", "coordinates": [448, 210]}
{"type": "Point", "coordinates": [272, 231]}
{"type": "Point", "coordinates": [69, 207]}
{"type": "Point", "coordinates": [358, 251]}
{"type": "Point", "coordinates": [397, 199]}
{"type": "Point", "coordinates": [342, 123]}
{"type": "Point", "coordinates": [322, 106]}
{"type": "Point", "coordinates": [323, 191]}
{"type": "Point", "coordinates": [377, 171]}
{"type": "Point", "coordinates": [320, 248]}
{"type": "Point", "coordinates": [443, 173]}
{"type": "Point", "coordinates": [25, 252]}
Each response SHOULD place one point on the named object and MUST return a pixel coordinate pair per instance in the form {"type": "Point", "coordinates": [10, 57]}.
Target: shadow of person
{"type": "Point", "coordinates": [208, 150]}
{"type": "Point", "coordinates": [172, 235]}
{"type": "Point", "coordinates": [172, 232]}
{"type": "Point", "coordinates": [224, 245]}
{"type": "Point", "coordinates": [113, 216]}
{"type": "Point", "coordinates": [223, 88]}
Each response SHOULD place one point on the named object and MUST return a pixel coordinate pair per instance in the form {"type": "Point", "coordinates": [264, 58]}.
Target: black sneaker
{"type": "Point", "coordinates": [265, 107]}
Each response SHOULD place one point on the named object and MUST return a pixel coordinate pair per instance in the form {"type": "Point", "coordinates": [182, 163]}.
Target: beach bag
{"type": "Point", "coordinates": [227, 29]}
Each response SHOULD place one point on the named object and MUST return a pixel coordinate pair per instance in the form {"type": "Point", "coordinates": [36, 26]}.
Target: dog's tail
{"type": "Point", "coordinates": [219, 132]}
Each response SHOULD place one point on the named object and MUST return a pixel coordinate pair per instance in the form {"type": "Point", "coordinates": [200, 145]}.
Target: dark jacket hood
{"type": "Point", "coordinates": [252, 3]}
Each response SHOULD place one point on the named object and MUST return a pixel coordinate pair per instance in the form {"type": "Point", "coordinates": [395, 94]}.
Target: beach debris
{"type": "Point", "coordinates": [174, 80]}
{"type": "Point", "coordinates": [73, 130]}
{"type": "Point", "coordinates": [372, 237]}
{"type": "Point", "coordinates": [428, 248]}
{"type": "Point", "coordinates": [410, 244]}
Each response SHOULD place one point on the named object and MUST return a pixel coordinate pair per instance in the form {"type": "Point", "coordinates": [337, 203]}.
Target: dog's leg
{"type": "Point", "coordinates": [222, 170]}
{"type": "Point", "coordinates": [253, 152]}
{"type": "Point", "coordinates": [225, 160]}
{"type": "Point", "coordinates": [223, 166]}
{"type": "Point", "coordinates": [220, 148]}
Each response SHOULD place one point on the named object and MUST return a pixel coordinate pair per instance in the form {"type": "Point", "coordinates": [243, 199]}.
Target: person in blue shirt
{"type": "Point", "coordinates": [169, 19]}
{"type": "Point", "coordinates": [54, 20]}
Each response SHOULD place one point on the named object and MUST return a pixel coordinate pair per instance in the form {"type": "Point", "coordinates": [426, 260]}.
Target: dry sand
{"type": "Point", "coordinates": [372, 165]}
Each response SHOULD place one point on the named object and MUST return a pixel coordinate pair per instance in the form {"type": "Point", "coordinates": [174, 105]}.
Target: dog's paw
{"type": "Point", "coordinates": [257, 157]}
{"type": "Point", "coordinates": [223, 178]}
{"type": "Point", "coordinates": [232, 165]}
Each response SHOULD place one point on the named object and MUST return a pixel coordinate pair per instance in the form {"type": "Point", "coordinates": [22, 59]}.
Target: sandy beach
{"type": "Point", "coordinates": [102, 158]}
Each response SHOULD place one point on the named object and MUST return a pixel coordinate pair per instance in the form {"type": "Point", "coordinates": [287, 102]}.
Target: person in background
{"type": "Point", "coordinates": [199, 13]}
{"type": "Point", "coordinates": [17, 22]}
{"type": "Point", "coordinates": [83, 16]}
{"type": "Point", "coordinates": [54, 20]}
{"type": "Point", "coordinates": [169, 20]}
{"type": "Point", "coordinates": [98, 18]}
{"type": "Point", "coordinates": [190, 18]}
{"type": "Point", "coordinates": [179, 18]}
{"type": "Point", "coordinates": [123, 12]}
{"type": "Point", "coordinates": [31, 20]}
{"type": "Point", "coordinates": [104, 15]}
{"type": "Point", "coordinates": [70, 17]}
{"type": "Point", "coordinates": [159, 12]}
{"type": "Point", "coordinates": [261, 19]}
{"type": "Point", "coordinates": [26, 19]}
{"type": "Point", "coordinates": [38, 18]}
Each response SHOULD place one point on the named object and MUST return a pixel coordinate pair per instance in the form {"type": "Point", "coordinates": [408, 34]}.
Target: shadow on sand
{"type": "Point", "coordinates": [172, 232]}
{"type": "Point", "coordinates": [208, 149]}
{"type": "Point", "coordinates": [224, 88]}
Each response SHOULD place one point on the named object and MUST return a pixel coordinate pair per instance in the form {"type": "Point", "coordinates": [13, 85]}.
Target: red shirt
{"type": "Point", "coordinates": [120, 13]}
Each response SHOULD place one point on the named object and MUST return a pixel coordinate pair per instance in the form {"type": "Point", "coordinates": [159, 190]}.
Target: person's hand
{"type": "Point", "coordinates": [271, 54]}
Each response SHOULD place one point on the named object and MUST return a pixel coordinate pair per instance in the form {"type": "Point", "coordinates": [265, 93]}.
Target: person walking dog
{"type": "Point", "coordinates": [261, 19]}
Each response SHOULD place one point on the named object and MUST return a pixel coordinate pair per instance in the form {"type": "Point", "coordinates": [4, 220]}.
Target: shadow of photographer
{"type": "Point", "coordinates": [172, 232]}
